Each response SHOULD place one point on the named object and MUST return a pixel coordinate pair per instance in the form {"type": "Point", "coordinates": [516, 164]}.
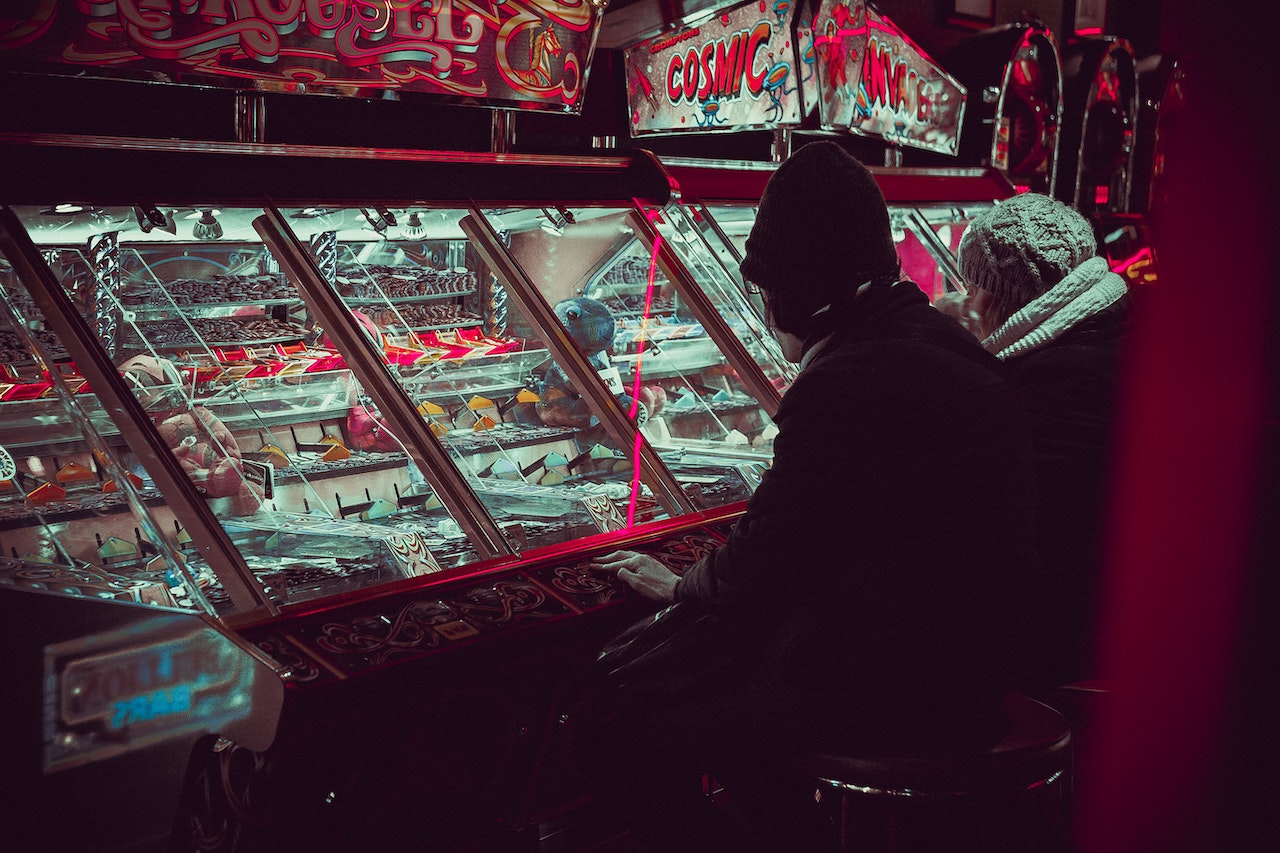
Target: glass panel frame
{"type": "Point", "coordinates": [711, 432]}
{"type": "Point", "coordinates": [290, 545]}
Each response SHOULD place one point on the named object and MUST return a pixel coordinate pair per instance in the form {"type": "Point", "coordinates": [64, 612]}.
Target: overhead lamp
{"type": "Point", "coordinates": [207, 227]}
{"type": "Point", "coordinates": [314, 212]}
{"type": "Point", "coordinates": [414, 228]}
{"type": "Point", "coordinates": [66, 209]}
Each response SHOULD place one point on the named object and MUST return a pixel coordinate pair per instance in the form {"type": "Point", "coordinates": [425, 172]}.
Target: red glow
{"type": "Point", "coordinates": [1025, 73]}
{"type": "Point", "coordinates": [1183, 757]}
{"type": "Point", "coordinates": [1090, 31]}
{"type": "Point", "coordinates": [1101, 194]}
{"type": "Point", "coordinates": [1143, 256]}
{"type": "Point", "coordinates": [1108, 87]}
{"type": "Point", "coordinates": [635, 385]}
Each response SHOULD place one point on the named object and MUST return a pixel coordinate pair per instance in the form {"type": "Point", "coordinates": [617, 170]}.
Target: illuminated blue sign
{"type": "Point", "coordinates": [161, 678]}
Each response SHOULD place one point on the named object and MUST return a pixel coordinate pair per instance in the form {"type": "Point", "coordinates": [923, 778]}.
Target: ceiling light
{"type": "Point", "coordinates": [208, 227]}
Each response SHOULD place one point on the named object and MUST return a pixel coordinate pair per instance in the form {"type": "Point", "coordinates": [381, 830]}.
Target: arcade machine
{"type": "Point", "coordinates": [367, 442]}
{"type": "Point", "coordinates": [842, 66]}
{"type": "Point", "coordinates": [1099, 130]}
{"type": "Point", "coordinates": [1014, 76]}
{"type": "Point", "coordinates": [366, 415]}
{"type": "Point", "coordinates": [1160, 84]}
{"type": "Point", "coordinates": [110, 673]}
{"type": "Point", "coordinates": [1101, 113]}
{"type": "Point", "coordinates": [1161, 81]}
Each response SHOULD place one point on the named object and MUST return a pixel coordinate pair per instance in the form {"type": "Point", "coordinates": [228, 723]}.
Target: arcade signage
{"type": "Point", "coordinates": [772, 63]}
{"type": "Point", "coordinates": [735, 71]}
{"type": "Point", "coordinates": [113, 693]}
{"type": "Point", "coordinates": [874, 81]}
{"type": "Point", "coordinates": [530, 54]}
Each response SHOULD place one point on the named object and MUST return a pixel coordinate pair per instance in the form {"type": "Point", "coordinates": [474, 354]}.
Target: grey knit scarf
{"type": "Point", "coordinates": [1086, 290]}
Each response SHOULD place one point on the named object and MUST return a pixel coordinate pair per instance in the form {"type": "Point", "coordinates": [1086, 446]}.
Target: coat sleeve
{"type": "Point", "coordinates": [797, 523]}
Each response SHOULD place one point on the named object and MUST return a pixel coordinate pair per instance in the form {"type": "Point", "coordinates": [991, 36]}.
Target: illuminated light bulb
{"type": "Point", "coordinates": [414, 228]}
{"type": "Point", "coordinates": [208, 228]}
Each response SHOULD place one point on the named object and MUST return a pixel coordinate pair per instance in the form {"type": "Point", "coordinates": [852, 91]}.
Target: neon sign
{"type": "Point", "coordinates": [890, 81]}
{"type": "Point", "coordinates": [718, 68]}
{"type": "Point", "coordinates": [523, 53]}
{"type": "Point", "coordinates": [162, 677]}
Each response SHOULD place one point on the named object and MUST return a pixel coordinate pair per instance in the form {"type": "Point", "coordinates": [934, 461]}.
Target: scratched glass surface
{"type": "Point", "coordinates": [477, 370]}
{"type": "Point", "coordinates": [255, 404]}
{"type": "Point", "coordinates": [669, 375]}
{"type": "Point", "coordinates": [72, 520]}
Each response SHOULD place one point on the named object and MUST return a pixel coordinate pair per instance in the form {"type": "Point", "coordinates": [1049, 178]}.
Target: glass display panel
{"type": "Point", "coordinates": [714, 268]}
{"type": "Point", "coordinates": [665, 369]}
{"type": "Point", "coordinates": [250, 396]}
{"type": "Point", "coordinates": [927, 240]}
{"type": "Point", "coordinates": [71, 520]}
{"type": "Point", "coordinates": [734, 222]}
{"type": "Point", "coordinates": [477, 370]}
{"type": "Point", "coordinates": [929, 243]}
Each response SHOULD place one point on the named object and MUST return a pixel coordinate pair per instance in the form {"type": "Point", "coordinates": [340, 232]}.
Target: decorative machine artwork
{"type": "Point", "coordinates": [531, 54]}
{"type": "Point", "coordinates": [735, 71]}
{"type": "Point", "coordinates": [765, 65]}
{"type": "Point", "coordinates": [874, 81]}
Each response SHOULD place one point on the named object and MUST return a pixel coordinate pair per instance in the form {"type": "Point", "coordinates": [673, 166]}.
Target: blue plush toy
{"type": "Point", "coordinates": [591, 325]}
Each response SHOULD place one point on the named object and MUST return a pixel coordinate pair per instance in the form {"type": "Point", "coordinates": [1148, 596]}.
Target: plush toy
{"type": "Point", "coordinates": [366, 428]}
{"type": "Point", "coordinates": [591, 325]}
{"type": "Point", "coordinates": [202, 444]}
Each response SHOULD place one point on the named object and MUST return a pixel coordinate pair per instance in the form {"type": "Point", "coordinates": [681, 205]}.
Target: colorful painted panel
{"type": "Point", "coordinates": [839, 37]}
{"type": "Point", "coordinates": [737, 70]}
{"type": "Point", "coordinates": [678, 553]}
{"type": "Point", "coordinates": [875, 81]}
{"type": "Point", "coordinates": [521, 53]}
{"type": "Point", "coordinates": [724, 528]}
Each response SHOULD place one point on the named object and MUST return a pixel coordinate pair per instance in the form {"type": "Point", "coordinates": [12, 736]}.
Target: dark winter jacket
{"type": "Point", "coordinates": [882, 564]}
{"type": "Point", "coordinates": [1069, 386]}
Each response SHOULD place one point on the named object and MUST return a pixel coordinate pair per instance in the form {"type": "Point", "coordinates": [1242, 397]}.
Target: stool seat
{"type": "Point", "coordinates": [1034, 747]}
{"type": "Point", "coordinates": [1007, 792]}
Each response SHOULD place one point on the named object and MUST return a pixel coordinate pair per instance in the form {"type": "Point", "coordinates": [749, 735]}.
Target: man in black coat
{"type": "Point", "coordinates": [876, 583]}
{"type": "Point", "coordinates": [1056, 315]}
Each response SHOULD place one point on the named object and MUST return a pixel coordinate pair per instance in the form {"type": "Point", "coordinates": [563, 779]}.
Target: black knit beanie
{"type": "Point", "coordinates": [822, 229]}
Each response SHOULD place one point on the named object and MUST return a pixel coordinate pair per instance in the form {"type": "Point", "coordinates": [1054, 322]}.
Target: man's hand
{"type": "Point", "coordinates": [642, 573]}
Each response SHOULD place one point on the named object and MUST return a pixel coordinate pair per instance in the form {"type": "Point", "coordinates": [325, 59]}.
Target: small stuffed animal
{"type": "Point", "coordinates": [591, 325]}
{"type": "Point", "coordinates": [202, 444]}
{"type": "Point", "coordinates": [366, 428]}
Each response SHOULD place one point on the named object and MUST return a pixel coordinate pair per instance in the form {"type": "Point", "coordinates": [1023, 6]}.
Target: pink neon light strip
{"type": "Point", "coordinates": [1120, 266]}
{"type": "Point", "coordinates": [635, 386]}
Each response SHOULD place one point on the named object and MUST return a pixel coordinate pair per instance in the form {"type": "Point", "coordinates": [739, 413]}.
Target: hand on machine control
{"type": "Point", "coordinates": [643, 573]}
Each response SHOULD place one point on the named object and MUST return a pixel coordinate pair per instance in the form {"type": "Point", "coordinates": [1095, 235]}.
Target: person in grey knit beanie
{"type": "Point", "coordinates": [1032, 267]}
{"type": "Point", "coordinates": [1051, 309]}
